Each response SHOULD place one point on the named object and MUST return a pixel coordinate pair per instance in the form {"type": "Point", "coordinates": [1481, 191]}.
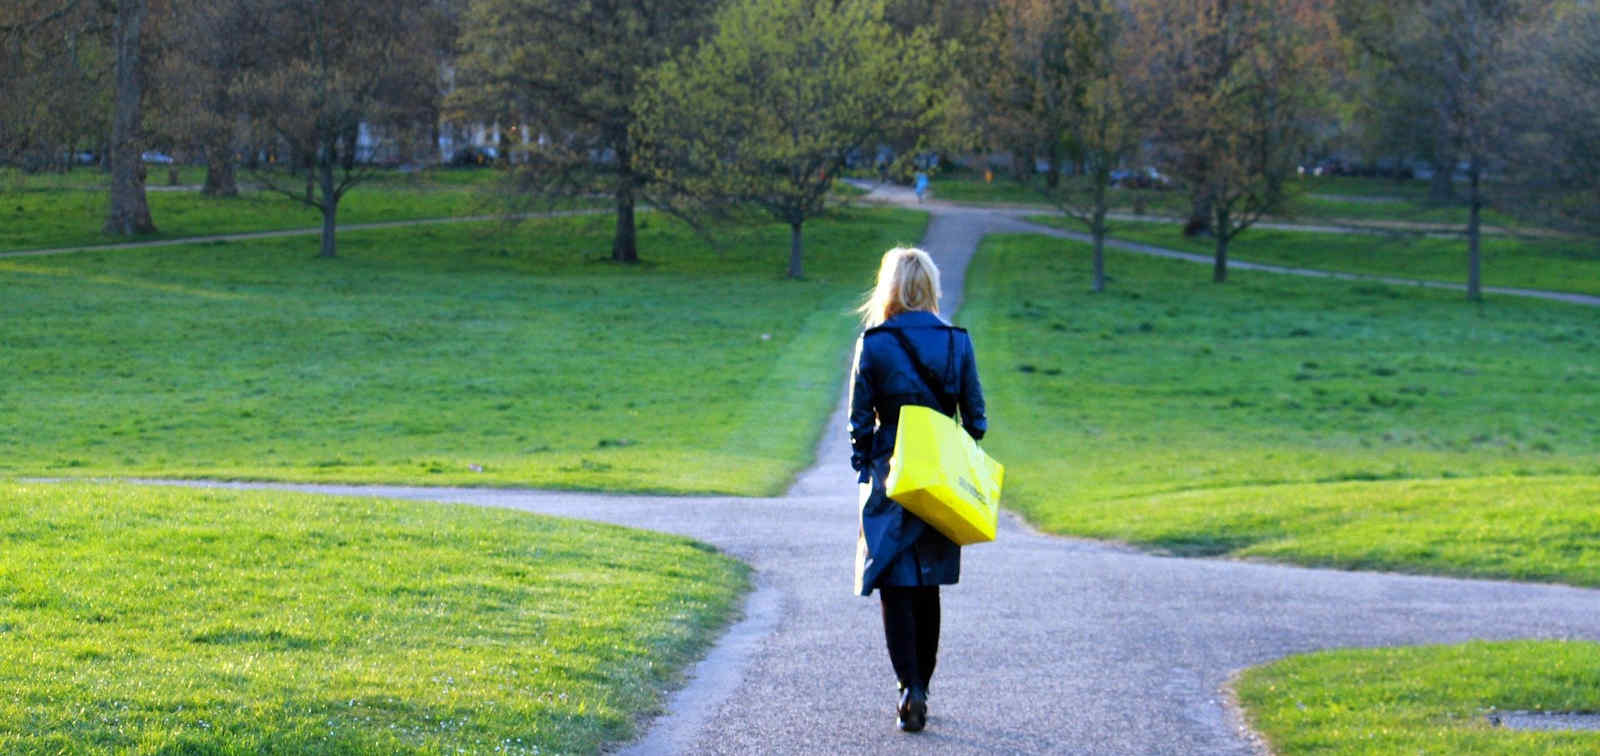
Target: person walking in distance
{"type": "Point", "coordinates": [898, 554]}
{"type": "Point", "coordinates": [921, 184]}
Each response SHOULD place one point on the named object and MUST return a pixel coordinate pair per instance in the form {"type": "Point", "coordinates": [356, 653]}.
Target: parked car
{"type": "Point", "coordinates": [1142, 178]}
{"type": "Point", "coordinates": [470, 156]}
{"type": "Point", "coordinates": [156, 157]}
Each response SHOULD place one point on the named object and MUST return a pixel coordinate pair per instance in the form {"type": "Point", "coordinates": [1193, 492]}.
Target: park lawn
{"type": "Point", "coordinates": [1554, 264]}
{"type": "Point", "coordinates": [1429, 699]}
{"type": "Point", "coordinates": [1313, 200]}
{"type": "Point", "coordinates": [467, 354]}
{"type": "Point", "coordinates": [46, 218]}
{"type": "Point", "coordinates": [1301, 420]}
{"type": "Point", "coordinates": [14, 179]}
{"type": "Point", "coordinates": [176, 620]}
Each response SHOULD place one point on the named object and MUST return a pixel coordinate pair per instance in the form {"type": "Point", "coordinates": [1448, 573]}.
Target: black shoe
{"type": "Point", "coordinates": [913, 711]}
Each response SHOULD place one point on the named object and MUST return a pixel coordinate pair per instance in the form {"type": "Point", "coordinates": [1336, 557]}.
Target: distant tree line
{"type": "Point", "coordinates": [709, 105]}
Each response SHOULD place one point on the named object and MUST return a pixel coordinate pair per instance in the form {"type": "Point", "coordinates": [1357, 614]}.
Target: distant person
{"type": "Point", "coordinates": [897, 553]}
{"type": "Point", "coordinates": [922, 184]}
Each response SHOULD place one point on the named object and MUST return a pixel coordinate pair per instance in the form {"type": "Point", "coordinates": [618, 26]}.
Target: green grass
{"type": "Point", "coordinates": [463, 354]}
{"type": "Point", "coordinates": [63, 218]}
{"type": "Point", "coordinates": [1430, 700]}
{"type": "Point", "coordinates": [1309, 421]}
{"type": "Point", "coordinates": [1553, 264]}
{"type": "Point", "coordinates": [1315, 200]}
{"type": "Point", "coordinates": [159, 620]}
{"type": "Point", "coordinates": [1521, 528]}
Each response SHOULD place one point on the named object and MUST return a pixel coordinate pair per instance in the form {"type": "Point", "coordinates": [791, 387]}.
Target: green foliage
{"type": "Point", "coordinates": [168, 620]}
{"type": "Point", "coordinates": [574, 70]}
{"type": "Point", "coordinates": [461, 354]}
{"type": "Point", "coordinates": [1430, 699]}
{"type": "Point", "coordinates": [767, 109]}
{"type": "Point", "coordinates": [1321, 422]}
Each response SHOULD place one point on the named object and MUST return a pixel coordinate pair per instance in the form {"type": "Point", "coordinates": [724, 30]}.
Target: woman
{"type": "Point", "coordinates": [907, 355]}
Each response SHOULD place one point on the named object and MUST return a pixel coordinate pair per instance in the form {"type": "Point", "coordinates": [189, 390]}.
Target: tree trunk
{"type": "Point", "coordinates": [129, 212]}
{"type": "Point", "coordinates": [1219, 268]}
{"type": "Point", "coordinates": [1442, 187]}
{"type": "Point", "coordinates": [220, 179]}
{"type": "Point", "coordinates": [1098, 229]}
{"type": "Point", "coordinates": [1474, 254]}
{"type": "Point", "coordinates": [625, 243]}
{"type": "Point", "coordinates": [349, 141]}
{"type": "Point", "coordinates": [1052, 176]}
{"type": "Point", "coordinates": [796, 268]}
{"type": "Point", "coordinates": [311, 177]}
{"type": "Point", "coordinates": [1199, 216]}
{"type": "Point", "coordinates": [330, 207]}
{"type": "Point", "coordinates": [172, 174]}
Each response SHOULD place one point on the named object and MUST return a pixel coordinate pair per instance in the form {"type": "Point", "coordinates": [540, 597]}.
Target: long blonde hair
{"type": "Point", "coordinates": [907, 280]}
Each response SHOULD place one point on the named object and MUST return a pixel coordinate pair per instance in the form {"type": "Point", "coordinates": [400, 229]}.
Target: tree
{"type": "Point", "coordinates": [1551, 104]}
{"type": "Point", "coordinates": [55, 61]}
{"type": "Point", "coordinates": [1061, 75]}
{"type": "Point", "coordinates": [129, 212]}
{"type": "Point", "coordinates": [574, 68]}
{"type": "Point", "coordinates": [768, 110]}
{"type": "Point", "coordinates": [1452, 61]}
{"type": "Point", "coordinates": [1024, 81]}
{"type": "Point", "coordinates": [198, 81]}
{"type": "Point", "coordinates": [331, 72]}
{"type": "Point", "coordinates": [1241, 79]}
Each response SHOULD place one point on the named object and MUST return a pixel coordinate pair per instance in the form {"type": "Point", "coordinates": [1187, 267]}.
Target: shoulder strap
{"type": "Point", "coordinates": [947, 403]}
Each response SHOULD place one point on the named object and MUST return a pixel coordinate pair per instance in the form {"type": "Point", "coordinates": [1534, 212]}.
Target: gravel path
{"type": "Point", "coordinates": [1051, 645]}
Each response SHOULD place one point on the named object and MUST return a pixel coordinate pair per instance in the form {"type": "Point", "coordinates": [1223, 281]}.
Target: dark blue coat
{"type": "Point", "coordinates": [895, 547]}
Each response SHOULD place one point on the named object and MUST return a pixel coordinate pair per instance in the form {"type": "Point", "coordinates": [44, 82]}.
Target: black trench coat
{"type": "Point", "coordinates": [895, 547]}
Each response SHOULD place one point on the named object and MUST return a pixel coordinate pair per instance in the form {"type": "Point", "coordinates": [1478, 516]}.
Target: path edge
{"type": "Point", "coordinates": [714, 678]}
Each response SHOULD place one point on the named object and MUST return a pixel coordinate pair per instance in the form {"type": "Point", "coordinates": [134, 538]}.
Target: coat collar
{"type": "Point", "coordinates": [915, 319]}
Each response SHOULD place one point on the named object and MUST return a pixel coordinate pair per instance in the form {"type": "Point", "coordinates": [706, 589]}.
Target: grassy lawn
{"type": "Point", "coordinates": [1571, 264]}
{"type": "Point", "coordinates": [1317, 422]}
{"type": "Point", "coordinates": [158, 620]}
{"type": "Point", "coordinates": [63, 217]}
{"type": "Point", "coordinates": [1431, 699]}
{"type": "Point", "coordinates": [1315, 200]}
{"type": "Point", "coordinates": [463, 354]}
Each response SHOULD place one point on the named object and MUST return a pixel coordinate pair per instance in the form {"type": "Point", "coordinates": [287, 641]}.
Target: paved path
{"type": "Point", "coordinates": [289, 232]}
{"type": "Point", "coordinates": [898, 195]}
{"type": "Point", "coordinates": [1051, 645]}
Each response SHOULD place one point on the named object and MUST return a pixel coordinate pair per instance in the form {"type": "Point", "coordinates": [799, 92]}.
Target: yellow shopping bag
{"type": "Point", "coordinates": [938, 473]}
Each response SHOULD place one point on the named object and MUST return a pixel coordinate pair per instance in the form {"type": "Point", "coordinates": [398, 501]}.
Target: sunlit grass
{"type": "Point", "coordinates": [441, 355]}
{"type": "Point", "coordinates": [176, 620]}
{"type": "Point", "coordinates": [1318, 422]}
{"type": "Point", "coordinates": [1433, 699]}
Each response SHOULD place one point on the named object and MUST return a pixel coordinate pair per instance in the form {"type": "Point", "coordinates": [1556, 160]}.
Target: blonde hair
{"type": "Point", "coordinates": [907, 280]}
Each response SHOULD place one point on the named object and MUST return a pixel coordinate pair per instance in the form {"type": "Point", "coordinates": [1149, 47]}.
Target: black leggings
{"type": "Point", "coordinates": [911, 626]}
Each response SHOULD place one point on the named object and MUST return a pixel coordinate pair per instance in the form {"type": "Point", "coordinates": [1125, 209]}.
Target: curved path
{"type": "Point", "coordinates": [1050, 645]}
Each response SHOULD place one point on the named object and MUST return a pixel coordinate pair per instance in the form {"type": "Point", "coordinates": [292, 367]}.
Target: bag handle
{"type": "Point", "coordinates": [934, 381]}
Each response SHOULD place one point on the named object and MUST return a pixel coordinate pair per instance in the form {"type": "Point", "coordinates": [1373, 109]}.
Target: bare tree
{"type": "Point", "coordinates": [330, 71]}
{"type": "Point", "coordinates": [1242, 80]}
{"type": "Point", "coordinates": [1062, 77]}
{"type": "Point", "coordinates": [198, 78]}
